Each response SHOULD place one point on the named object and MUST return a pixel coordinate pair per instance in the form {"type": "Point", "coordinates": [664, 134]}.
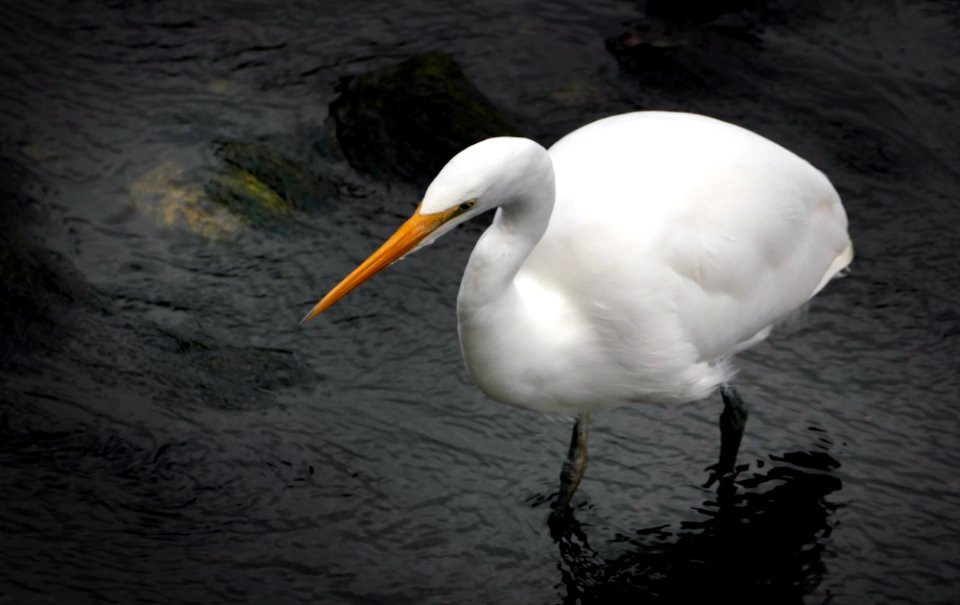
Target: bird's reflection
{"type": "Point", "coordinates": [759, 539]}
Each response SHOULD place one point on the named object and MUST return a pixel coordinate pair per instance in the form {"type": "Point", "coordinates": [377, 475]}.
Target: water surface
{"type": "Point", "coordinates": [168, 433]}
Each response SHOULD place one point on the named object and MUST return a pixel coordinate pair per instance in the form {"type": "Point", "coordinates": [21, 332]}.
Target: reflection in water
{"type": "Point", "coordinates": [760, 539]}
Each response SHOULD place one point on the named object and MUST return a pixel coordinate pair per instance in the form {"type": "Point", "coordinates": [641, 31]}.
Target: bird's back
{"type": "Point", "coordinates": [679, 239]}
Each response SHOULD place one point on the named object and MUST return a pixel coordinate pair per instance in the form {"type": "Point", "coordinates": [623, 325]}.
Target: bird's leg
{"type": "Point", "coordinates": [574, 465]}
{"type": "Point", "coordinates": [732, 421]}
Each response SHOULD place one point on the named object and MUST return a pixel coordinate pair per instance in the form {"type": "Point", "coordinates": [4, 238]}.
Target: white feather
{"type": "Point", "coordinates": [632, 260]}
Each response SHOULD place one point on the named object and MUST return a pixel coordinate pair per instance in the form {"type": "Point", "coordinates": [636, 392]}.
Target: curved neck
{"type": "Point", "coordinates": [491, 316]}
{"type": "Point", "coordinates": [504, 246]}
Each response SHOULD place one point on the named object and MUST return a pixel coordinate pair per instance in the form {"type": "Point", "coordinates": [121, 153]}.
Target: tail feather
{"type": "Point", "coordinates": [838, 268]}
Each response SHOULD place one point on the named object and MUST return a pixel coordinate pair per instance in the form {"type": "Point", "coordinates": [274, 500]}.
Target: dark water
{"type": "Point", "coordinates": [169, 434]}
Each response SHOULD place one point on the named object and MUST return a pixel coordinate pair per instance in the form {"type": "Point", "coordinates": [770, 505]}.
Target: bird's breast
{"type": "Point", "coordinates": [529, 348]}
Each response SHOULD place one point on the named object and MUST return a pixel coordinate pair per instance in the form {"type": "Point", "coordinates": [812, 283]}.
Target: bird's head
{"type": "Point", "coordinates": [483, 176]}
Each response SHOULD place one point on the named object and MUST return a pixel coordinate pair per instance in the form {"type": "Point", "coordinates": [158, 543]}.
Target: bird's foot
{"type": "Point", "coordinates": [564, 525]}
{"type": "Point", "coordinates": [559, 521]}
{"type": "Point", "coordinates": [725, 474]}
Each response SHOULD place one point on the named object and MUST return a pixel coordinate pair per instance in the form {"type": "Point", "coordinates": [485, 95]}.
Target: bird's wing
{"type": "Point", "coordinates": [749, 248]}
{"type": "Point", "coordinates": [699, 233]}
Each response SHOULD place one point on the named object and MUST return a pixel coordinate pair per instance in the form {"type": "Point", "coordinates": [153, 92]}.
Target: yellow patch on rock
{"type": "Point", "coordinates": [169, 196]}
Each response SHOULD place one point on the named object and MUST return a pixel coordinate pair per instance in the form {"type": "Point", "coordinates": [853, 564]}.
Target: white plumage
{"type": "Point", "coordinates": [630, 261]}
{"type": "Point", "coordinates": [675, 240]}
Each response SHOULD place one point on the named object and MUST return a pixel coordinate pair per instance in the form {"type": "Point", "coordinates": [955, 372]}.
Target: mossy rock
{"type": "Point", "coordinates": [174, 198]}
{"type": "Point", "coordinates": [246, 197]}
{"type": "Point", "coordinates": [406, 121]}
{"type": "Point", "coordinates": [252, 186]}
{"type": "Point", "coordinates": [273, 173]}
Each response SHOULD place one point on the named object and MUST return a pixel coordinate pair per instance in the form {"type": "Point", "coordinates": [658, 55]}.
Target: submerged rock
{"type": "Point", "coordinates": [174, 198]}
{"type": "Point", "coordinates": [252, 186]}
{"type": "Point", "coordinates": [408, 120]}
{"type": "Point", "coordinates": [737, 13]}
{"type": "Point", "coordinates": [695, 43]}
{"type": "Point", "coordinates": [700, 11]}
{"type": "Point", "coordinates": [298, 187]}
{"type": "Point", "coordinates": [31, 284]}
{"type": "Point", "coordinates": [686, 56]}
{"type": "Point", "coordinates": [248, 373]}
{"type": "Point", "coordinates": [34, 282]}
{"type": "Point", "coordinates": [697, 46]}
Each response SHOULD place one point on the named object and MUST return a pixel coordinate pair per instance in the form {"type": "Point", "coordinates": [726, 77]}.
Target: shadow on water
{"type": "Point", "coordinates": [758, 539]}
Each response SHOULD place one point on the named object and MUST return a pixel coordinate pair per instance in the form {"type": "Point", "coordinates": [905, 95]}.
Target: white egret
{"type": "Point", "coordinates": [626, 264]}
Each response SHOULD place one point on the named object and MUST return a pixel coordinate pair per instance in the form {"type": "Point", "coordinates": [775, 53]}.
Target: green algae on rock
{"type": "Point", "coordinates": [252, 186]}
{"type": "Point", "coordinates": [298, 187]}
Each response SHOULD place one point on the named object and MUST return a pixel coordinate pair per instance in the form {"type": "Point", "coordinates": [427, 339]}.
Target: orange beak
{"type": "Point", "coordinates": [406, 238]}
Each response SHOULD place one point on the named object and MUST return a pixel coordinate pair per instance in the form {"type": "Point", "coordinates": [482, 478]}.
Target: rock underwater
{"type": "Point", "coordinates": [406, 121]}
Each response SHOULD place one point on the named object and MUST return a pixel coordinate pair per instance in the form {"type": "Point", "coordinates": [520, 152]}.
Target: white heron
{"type": "Point", "coordinates": [627, 264]}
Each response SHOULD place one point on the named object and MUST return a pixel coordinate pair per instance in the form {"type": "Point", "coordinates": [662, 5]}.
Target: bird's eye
{"type": "Point", "coordinates": [467, 205]}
